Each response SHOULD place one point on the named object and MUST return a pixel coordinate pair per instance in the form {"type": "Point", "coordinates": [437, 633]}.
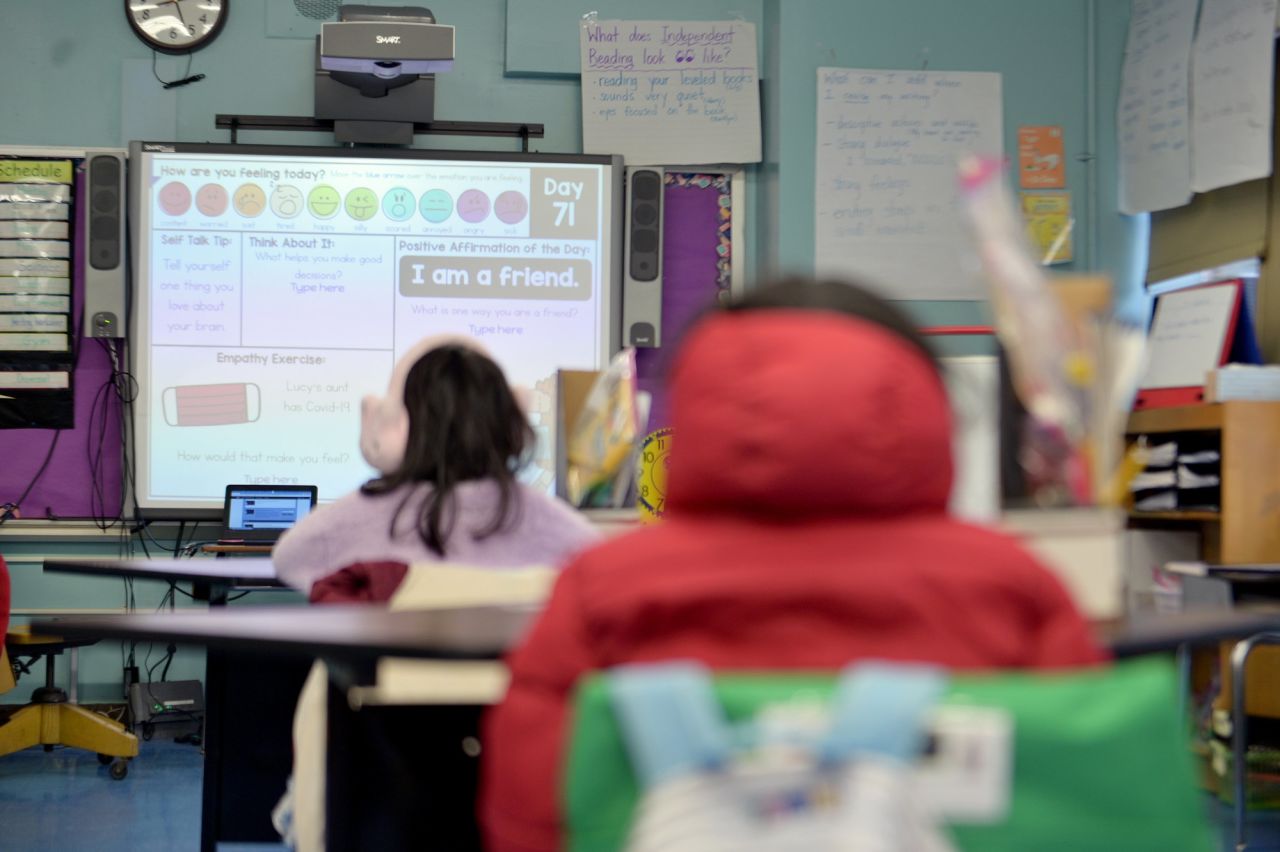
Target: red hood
{"type": "Point", "coordinates": [806, 413]}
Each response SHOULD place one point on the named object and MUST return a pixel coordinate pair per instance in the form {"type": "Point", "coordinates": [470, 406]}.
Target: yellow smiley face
{"type": "Point", "coordinates": [323, 201]}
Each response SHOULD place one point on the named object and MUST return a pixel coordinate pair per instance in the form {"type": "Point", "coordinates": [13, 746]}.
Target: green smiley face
{"type": "Point", "coordinates": [361, 203]}
{"type": "Point", "coordinates": [323, 201]}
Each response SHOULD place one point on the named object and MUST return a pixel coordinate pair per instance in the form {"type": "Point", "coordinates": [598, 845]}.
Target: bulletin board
{"type": "Point", "coordinates": [74, 471]}
{"type": "Point", "coordinates": [697, 269]}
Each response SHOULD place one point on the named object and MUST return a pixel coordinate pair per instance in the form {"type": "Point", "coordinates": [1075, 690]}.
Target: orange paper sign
{"type": "Point", "coordinates": [1041, 163]}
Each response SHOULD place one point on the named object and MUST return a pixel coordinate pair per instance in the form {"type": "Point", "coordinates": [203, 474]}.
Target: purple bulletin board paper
{"type": "Point", "coordinates": [694, 270]}
{"type": "Point", "coordinates": [65, 489]}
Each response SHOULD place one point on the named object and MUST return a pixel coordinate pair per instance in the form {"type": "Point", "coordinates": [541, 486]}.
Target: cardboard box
{"type": "Point", "coordinates": [1108, 570]}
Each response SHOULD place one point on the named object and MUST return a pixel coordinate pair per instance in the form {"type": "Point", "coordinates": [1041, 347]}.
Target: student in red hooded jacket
{"type": "Point", "coordinates": [806, 527]}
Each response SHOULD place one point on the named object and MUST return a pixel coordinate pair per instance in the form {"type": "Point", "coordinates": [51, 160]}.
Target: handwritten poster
{"type": "Point", "coordinates": [1042, 164]}
{"type": "Point", "coordinates": [1154, 113]}
{"type": "Point", "coordinates": [885, 193]}
{"type": "Point", "coordinates": [671, 92]}
{"type": "Point", "coordinates": [1231, 85]}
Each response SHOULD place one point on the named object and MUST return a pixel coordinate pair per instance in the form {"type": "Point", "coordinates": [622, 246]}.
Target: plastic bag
{"type": "Point", "coordinates": [601, 443]}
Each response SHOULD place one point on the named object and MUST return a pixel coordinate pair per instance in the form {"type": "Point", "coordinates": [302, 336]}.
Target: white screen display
{"type": "Point", "coordinates": [273, 290]}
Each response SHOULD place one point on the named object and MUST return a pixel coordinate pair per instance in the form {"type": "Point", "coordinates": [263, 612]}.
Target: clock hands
{"type": "Point", "coordinates": [181, 17]}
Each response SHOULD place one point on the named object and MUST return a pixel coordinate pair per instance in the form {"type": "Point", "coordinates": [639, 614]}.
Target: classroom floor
{"type": "Point", "coordinates": [63, 800]}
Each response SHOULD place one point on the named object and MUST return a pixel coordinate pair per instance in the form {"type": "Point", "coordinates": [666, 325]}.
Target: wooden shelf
{"type": "Point", "coordinates": [1177, 515]}
{"type": "Point", "coordinates": [1186, 418]}
{"type": "Point", "coordinates": [1247, 530]}
{"type": "Point", "coordinates": [1207, 417]}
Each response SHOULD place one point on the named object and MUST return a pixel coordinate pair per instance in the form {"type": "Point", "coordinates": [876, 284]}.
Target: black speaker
{"type": "Point", "coordinates": [642, 283]}
{"type": "Point", "coordinates": [105, 175]}
{"type": "Point", "coordinates": [643, 256]}
{"type": "Point", "coordinates": [104, 267]}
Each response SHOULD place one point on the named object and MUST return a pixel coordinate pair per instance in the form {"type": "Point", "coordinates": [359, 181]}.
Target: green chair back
{"type": "Point", "coordinates": [1101, 758]}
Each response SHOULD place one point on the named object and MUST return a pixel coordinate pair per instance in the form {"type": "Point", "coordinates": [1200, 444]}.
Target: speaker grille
{"type": "Point", "coordinates": [646, 186]}
{"type": "Point", "coordinates": [104, 224]}
{"type": "Point", "coordinates": [317, 10]}
{"type": "Point", "coordinates": [644, 241]}
{"type": "Point", "coordinates": [646, 195]}
{"type": "Point", "coordinates": [644, 214]}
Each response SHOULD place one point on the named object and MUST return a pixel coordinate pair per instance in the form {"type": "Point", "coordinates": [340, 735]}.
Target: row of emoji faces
{"type": "Point", "coordinates": [323, 202]}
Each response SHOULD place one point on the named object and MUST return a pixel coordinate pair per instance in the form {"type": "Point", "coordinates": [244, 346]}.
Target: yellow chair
{"type": "Point", "coordinates": [51, 720]}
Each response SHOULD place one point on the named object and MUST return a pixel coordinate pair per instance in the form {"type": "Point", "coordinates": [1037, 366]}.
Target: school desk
{"type": "Point", "coordinates": [397, 776]}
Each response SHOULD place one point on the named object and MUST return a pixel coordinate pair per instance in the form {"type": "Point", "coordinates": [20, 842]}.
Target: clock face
{"type": "Point", "coordinates": [176, 26]}
{"type": "Point", "coordinates": [651, 474]}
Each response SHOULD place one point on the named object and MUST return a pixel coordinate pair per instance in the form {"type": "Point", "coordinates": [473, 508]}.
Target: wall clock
{"type": "Point", "coordinates": [651, 474]}
{"type": "Point", "coordinates": [176, 26]}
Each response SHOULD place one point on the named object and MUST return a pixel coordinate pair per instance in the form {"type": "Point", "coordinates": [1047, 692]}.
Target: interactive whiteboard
{"type": "Point", "coordinates": [274, 287]}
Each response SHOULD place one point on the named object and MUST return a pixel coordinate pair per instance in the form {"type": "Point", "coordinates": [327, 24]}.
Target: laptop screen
{"type": "Point", "coordinates": [258, 512]}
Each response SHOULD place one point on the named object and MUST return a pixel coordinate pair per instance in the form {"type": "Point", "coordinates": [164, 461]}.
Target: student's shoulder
{"type": "Point", "coordinates": [540, 507]}
{"type": "Point", "coordinates": [642, 547]}
{"type": "Point", "coordinates": [984, 541]}
{"type": "Point", "coordinates": [1000, 557]}
{"type": "Point", "coordinates": [355, 508]}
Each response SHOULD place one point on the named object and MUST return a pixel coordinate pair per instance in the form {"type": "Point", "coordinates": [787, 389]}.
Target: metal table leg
{"type": "Point", "coordinates": [1239, 728]}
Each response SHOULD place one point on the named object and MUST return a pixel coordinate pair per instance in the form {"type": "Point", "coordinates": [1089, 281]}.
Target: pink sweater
{"type": "Point", "coordinates": [357, 528]}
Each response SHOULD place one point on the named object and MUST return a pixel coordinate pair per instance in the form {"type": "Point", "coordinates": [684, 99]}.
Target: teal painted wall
{"type": "Point", "coordinates": [71, 59]}
{"type": "Point", "coordinates": [76, 76]}
{"type": "Point", "coordinates": [1041, 47]}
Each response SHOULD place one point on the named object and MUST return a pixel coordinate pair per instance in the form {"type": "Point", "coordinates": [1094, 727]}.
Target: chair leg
{"type": "Point", "coordinates": [21, 731]}
{"type": "Point", "coordinates": [81, 728]}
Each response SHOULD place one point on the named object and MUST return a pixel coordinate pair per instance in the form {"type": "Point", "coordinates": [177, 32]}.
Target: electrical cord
{"type": "Point", "coordinates": [120, 386]}
{"type": "Point", "coordinates": [163, 665]}
{"type": "Point", "coordinates": [193, 547]}
{"type": "Point", "coordinates": [185, 593]}
{"type": "Point", "coordinates": [186, 79]}
{"type": "Point", "coordinates": [130, 444]}
{"type": "Point", "coordinates": [10, 510]}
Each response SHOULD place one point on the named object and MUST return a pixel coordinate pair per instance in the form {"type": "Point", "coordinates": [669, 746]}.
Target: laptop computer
{"type": "Point", "coordinates": [259, 514]}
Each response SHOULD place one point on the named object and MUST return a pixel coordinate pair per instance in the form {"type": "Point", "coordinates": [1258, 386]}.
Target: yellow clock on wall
{"type": "Point", "coordinates": [651, 474]}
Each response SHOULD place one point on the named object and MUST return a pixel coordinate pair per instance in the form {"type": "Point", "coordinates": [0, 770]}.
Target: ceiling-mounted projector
{"type": "Point", "coordinates": [386, 42]}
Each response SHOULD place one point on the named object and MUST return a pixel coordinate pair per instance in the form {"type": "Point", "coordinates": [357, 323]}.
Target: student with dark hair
{"type": "Point", "coordinates": [806, 528]}
{"type": "Point", "coordinates": [448, 447]}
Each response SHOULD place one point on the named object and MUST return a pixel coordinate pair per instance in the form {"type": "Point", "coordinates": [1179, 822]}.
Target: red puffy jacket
{"type": "Point", "coordinates": [807, 527]}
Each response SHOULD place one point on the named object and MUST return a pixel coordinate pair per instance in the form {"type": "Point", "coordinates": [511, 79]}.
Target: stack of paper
{"type": "Point", "coordinates": [1242, 381]}
{"type": "Point", "coordinates": [1174, 479]}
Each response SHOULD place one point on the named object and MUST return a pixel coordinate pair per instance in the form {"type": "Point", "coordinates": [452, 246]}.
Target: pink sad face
{"type": "Point", "coordinates": [473, 206]}
{"type": "Point", "coordinates": [174, 198]}
{"type": "Point", "coordinates": [212, 199]}
{"type": "Point", "coordinates": [511, 207]}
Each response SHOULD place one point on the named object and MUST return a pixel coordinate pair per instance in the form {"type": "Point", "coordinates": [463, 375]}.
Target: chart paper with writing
{"type": "Point", "coordinates": [1232, 104]}
{"type": "Point", "coordinates": [671, 92]}
{"type": "Point", "coordinates": [1153, 115]}
{"type": "Point", "coordinates": [885, 194]}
